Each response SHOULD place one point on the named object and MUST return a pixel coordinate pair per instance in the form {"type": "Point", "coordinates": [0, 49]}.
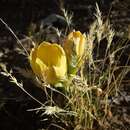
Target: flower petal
{"type": "Point", "coordinates": [32, 58]}
{"type": "Point", "coordinates": [50, 54]}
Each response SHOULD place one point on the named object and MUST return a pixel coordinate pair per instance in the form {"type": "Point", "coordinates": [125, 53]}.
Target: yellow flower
{"type": "Point", "coordinates": [48, 62]}
{"type": "Point", "coordinates": [74, 47]}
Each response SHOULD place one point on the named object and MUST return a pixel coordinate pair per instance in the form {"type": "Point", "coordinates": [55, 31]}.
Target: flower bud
{"type": "Point", "coordinates": [74, 47]}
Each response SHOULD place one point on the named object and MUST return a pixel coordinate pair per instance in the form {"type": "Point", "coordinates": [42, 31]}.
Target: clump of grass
{"type": "Point", "coordinates": [100, 77]}
{"type": "Point", "coordinates": [87, 94]}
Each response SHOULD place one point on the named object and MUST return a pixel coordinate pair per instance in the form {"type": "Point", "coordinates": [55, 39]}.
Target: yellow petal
{"type": "Point", "coordinates": [80, 48]}
{"type": "Point", "coordinates": [49, 76]}
{"type": "Point", "coordinates": [37, 65]}
{"type": "Point", "coordinates": [50, 54]}
{"type": "Point", "coordinates": [32, 58]}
